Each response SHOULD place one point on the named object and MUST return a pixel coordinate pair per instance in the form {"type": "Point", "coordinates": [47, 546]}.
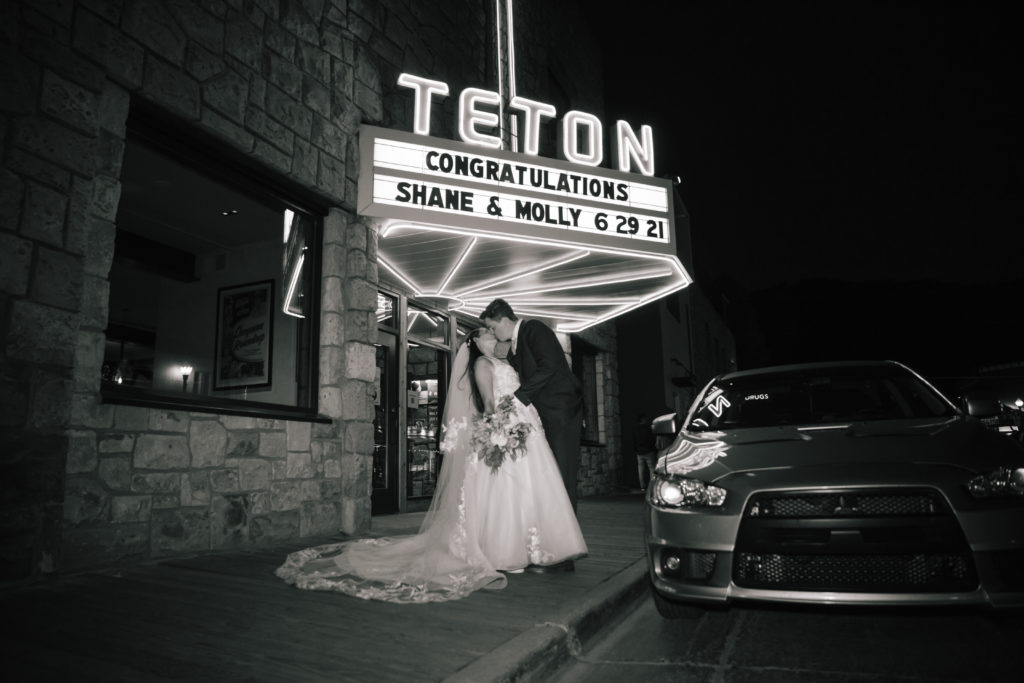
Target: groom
{"type": "Point", "coordinates": [546, 381]}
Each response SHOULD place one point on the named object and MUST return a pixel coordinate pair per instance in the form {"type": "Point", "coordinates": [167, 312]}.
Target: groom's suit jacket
{"type": "Point", "coordinates": [545, 379]}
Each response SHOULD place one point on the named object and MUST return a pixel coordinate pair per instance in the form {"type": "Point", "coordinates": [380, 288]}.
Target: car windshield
{"type": "Point", "coordinates": [839, 394]}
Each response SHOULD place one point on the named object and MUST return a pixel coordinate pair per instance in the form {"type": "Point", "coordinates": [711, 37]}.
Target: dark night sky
{"type": "Point", "coordinates": [855, 161]}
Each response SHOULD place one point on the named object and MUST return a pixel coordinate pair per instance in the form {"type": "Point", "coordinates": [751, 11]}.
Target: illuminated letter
{"type": "Point", "coordinates": [532, 111]}
{"type": "Point", "coordinates": [424, 88]}
{"type": "Point", "coordinates": [470, 117]}
{"type": "Point", "coordinates": [628, 147]}
{"type": "Point", "coordinates": [571, 123]}
{"type": "Point", "coordinates": [720, 404]}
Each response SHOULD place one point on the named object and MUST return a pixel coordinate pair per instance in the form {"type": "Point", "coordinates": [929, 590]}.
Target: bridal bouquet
{"type": "Point", "coordinates": [500, 435]}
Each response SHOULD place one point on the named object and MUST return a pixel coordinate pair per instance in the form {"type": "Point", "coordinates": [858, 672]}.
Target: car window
{"type": "Point", "coordinates": [831, 395]}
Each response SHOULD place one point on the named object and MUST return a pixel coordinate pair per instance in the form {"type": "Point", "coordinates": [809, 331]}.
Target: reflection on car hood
{"type": "Point", "coordinates": [956, 441]}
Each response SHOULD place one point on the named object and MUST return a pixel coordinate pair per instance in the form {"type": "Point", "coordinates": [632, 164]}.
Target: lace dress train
{"type": "Point", "coordinates": [481, 522]}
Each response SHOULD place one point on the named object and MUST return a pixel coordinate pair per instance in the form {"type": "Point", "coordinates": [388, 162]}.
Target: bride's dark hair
{"type": "Point", "coordinates": [474, 353]}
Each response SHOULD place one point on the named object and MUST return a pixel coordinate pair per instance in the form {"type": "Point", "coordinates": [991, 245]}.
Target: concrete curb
{"type": "Point", "coordinates": [537, 653]}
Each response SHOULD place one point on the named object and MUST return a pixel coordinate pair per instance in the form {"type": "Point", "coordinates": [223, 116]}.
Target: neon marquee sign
{"type": "Point", "coordinates": [475, 183]}
{"type": "Point", "coordinates": [581, 134]}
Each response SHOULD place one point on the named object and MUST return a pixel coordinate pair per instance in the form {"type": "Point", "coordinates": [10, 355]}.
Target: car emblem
{"type": "Point", "coordinates": [847, 506]}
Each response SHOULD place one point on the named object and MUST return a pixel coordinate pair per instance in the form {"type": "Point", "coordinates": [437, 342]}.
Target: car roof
{"type": "Point", "coordinates": [812, 367]}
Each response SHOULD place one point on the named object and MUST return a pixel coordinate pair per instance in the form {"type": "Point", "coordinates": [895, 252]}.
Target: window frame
{"type": "Point", "coordinates": [584, 352]}
{"type": "Point", "coordinates": [199, 149]}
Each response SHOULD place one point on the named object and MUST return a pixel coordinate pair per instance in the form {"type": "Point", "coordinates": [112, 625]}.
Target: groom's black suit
{"type": "Point", "coordinates": [546, 381]}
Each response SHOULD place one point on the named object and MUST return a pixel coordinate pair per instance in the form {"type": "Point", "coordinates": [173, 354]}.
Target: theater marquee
{"type": "Point", "coordinates": [465, 221]}
{"type": "Point", "coordinates": [425, 179]}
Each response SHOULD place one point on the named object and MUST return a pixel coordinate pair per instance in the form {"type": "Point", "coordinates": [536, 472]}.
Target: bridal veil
{"type": "Point", "coordinates": [441, 562]}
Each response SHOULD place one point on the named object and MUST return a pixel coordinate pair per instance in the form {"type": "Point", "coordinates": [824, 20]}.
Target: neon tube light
{"type": "Point", "coordinates": [501, 75]}
{"type": "Point", "coordinates": [582, 301]}
{"type": "Point", "coordinates": [292, 283]}
{"type": "Point", "coordinates": [590, 283]}
{"type": "Point", "coordinates": [424, 88]}
{"type": "Point", "coordinates": [432, 227]}
{"type": "Point", "coordinates": [620, 311]}
{"type": "Point", "coordinates": [527, 273]}
{"type": "Point", "coordinates": [416, 291]}
{"type": "Point", "coordinates": [510, 36]}
{"type": "Point", "coordinates": [289, 215]}
{"type": "Point", "coordinates": [458, 264]}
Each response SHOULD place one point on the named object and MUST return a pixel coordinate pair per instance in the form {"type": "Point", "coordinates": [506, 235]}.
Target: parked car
{"type": "Point", "coordinates": [834, 483]}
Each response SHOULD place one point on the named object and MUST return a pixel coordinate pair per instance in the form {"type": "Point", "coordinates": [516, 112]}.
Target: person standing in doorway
{"type": "Point", "coordinates": [546, 382]}
{"type": "Point", "coordinates": [646, 449]}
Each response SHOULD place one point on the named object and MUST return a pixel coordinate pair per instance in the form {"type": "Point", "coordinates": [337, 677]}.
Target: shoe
{"type": "Point", "coordinates": [566, 566]}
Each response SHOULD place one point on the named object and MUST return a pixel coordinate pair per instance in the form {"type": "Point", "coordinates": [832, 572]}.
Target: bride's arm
{"type": "Point", "coordinates": [484, 372]}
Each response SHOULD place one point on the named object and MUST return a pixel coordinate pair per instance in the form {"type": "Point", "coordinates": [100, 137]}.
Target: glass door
{"type": "Point", "coordinates": [426, 379]}
{"type": "Point", "coordinates": [384, 498]}
{"type": "Point", "coordinates": [426, 371]}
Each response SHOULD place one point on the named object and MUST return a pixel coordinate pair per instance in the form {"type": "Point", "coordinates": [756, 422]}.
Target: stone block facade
{"type": "Point", "coordinates": [602, 465]}
{"type": "Point", "coordinates": [285, 84]}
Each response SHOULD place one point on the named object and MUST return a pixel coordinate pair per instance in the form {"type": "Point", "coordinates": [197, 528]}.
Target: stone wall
{"type": "Point", "coordinates": [146, 482]}
{"type": "Point", "coordinates": [601, 465]}
{"type": "Point", "coordinates": [286, 83]}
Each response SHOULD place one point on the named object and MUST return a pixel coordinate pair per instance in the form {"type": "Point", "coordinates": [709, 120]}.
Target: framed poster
{"type": "Point", "coordinates": [245, 327]}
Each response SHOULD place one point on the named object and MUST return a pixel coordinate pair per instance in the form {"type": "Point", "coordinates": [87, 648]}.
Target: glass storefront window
{"type": "Point", "coordinates": [426, 370]}
{"type": "Point", "coordinates": [387, 309]}
{"type": "Point", "coordinates": [585, 367]}
{"type": "Point", "coordinates": [427, 325]}
{"type": "Point", "coordinates": [462, 330]}
{"type": "Point", "coordinates": [212, 296]}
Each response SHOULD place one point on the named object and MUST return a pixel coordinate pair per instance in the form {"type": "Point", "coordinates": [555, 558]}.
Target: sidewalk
{"type": "Point", "coordinates": [226, 617]}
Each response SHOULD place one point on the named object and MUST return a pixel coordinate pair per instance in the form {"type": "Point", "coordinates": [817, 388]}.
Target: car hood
{"type": "Point", "coordinates": [956, 441]}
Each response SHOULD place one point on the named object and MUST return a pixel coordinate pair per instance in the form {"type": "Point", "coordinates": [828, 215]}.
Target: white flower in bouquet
{"type": "Point", "coordinates": [500, 435]}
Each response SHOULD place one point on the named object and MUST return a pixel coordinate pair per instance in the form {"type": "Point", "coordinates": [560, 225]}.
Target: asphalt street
{"type": "Point", "coordinates": [796, 645]}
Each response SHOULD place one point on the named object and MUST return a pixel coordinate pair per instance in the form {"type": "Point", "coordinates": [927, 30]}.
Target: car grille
{"type": "Point", "coordinates": [854, 540]}
{"type": "Point", "coordinates": [827, 504]}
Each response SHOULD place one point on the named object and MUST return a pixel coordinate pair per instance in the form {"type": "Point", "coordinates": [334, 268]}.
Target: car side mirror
{"type": "Point", "coordinates": [665, 425]}
{"type": "Point", "coordinates": [982, 407]}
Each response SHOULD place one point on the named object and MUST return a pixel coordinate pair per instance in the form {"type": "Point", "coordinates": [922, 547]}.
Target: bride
{"type": "Point", "coordinates": [481, 522]}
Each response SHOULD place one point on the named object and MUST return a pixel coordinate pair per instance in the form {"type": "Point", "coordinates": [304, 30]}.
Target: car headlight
{"type": "Point", "coordinates": [1005, 481]}
{"type": "Point", "coordinates": [679, 492]}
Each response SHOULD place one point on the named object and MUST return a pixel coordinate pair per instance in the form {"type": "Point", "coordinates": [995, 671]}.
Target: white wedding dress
{"type": "Point", "coordinates": [480, 523]}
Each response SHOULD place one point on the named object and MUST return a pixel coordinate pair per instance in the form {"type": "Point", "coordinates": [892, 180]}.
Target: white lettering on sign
{"type": "Point", "coordinates": [510, 207]}
{"type": "Point", "coordinates": [471, 116]}
{"type": "Point", "coordinates": [593, 155]}
{"type": "Point", "coordinates": [451, 166]}
{"type": "Point", "coordinates": [428, 180]}
{"type": "Point", "coordinates": [424, 88]}
{"type": "Point", "coordinates": [581, 134]}
{"type": "Point", "coordinates": [532, 111]}
{"type": "Point", "coordinates": [636, 150]}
